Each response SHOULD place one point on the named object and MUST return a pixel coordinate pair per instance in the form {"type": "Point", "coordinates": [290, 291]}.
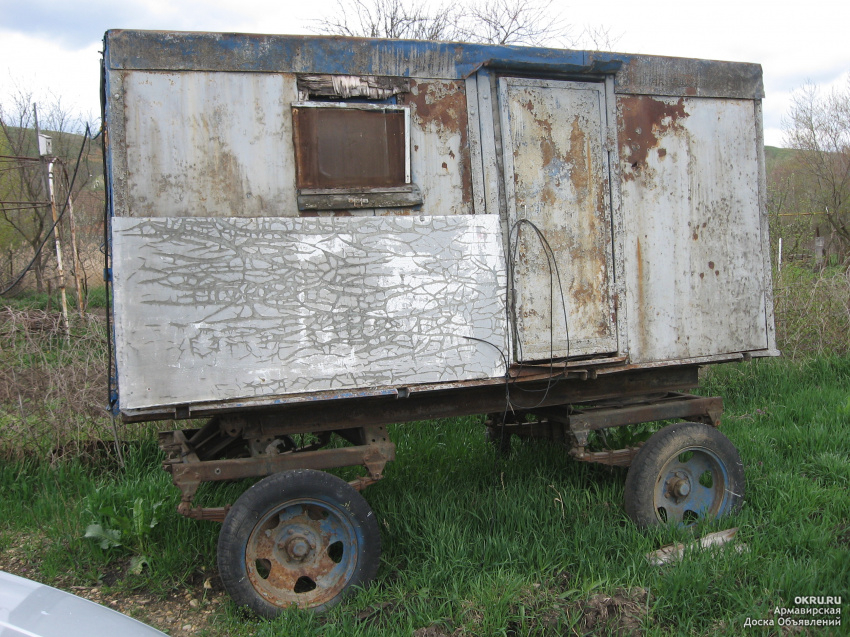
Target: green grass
{"type": "Point", "coordinates": [482, 545]}
{"type": "Point", "coordinates": [95, 299]}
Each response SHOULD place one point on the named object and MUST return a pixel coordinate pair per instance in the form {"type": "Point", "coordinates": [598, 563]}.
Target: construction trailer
{"type": "Point", "coordinates": [324, 235]}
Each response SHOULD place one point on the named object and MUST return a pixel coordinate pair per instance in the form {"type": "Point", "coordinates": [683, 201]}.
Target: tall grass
{"type": "Point", "coordinates": [812, 310]}
{"type": "Point", "coordinates": [52, 385]}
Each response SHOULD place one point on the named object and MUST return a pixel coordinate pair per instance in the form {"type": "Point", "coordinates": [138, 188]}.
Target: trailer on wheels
{"type": "Point", "coordinates": [311, 238]}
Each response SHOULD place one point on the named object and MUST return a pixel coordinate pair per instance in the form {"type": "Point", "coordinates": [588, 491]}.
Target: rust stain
{"type": "Point", "coordinates": [547, 151]}
{"type": "Point", "coordinates": [581, 170]}
{"type": "Point", "coordinates": [644, 121]}
{"type": "Point", "coordinates": [696, 236]}
{"type": "Point", "coordinates": [443, 104]}
{"type": "Point", "coordinates": [711, 265]}
{"type": "Point", "coordinates": [640, 322]}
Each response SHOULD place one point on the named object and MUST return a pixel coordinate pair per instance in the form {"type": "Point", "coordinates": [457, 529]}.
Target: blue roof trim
{"type": "Point", "coordinates": [334, 55]}
{"type": "Point", "coordinates": [160, 50]}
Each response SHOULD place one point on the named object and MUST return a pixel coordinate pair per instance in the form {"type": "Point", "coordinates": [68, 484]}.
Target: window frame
{"type": "Point", "coordinates": [362, 106]}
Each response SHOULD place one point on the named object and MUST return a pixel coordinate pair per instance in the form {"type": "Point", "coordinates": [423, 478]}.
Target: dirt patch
{"type": "Point", "coordinates": [182, 612]}
{"type": "Point", "coordinates": [187, 610]}
{"type": "Point", "coordinates": [435, 630]}
{"type": "Point", "coordinates": [619, 614]}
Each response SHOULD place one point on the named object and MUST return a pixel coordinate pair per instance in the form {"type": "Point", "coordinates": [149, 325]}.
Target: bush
{"type": "Point", "coordinates": [812, 311]}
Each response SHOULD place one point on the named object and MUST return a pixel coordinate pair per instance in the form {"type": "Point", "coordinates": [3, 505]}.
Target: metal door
{"type": "Point", "coordinates": [559, 211]}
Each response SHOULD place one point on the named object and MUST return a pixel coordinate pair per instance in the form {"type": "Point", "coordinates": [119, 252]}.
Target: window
{"type": "Point", "coordinates": [351, 155]}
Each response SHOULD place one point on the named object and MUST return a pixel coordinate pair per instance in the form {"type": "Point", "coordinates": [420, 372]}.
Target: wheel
{"type": "Point", "coordinates": [684, 472]}
{"type": "Point", "coordinates": [298, 538]}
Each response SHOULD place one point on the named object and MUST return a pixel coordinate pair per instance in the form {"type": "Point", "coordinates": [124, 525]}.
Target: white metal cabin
{"type": "Point", "coordinates": [293, 215]}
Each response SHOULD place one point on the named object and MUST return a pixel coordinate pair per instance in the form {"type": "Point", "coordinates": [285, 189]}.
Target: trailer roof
{"type": "Point", "coordinates": [634, 74]}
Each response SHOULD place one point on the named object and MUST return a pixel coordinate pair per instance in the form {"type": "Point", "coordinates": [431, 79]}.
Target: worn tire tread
{"type": "Point", "coordinates": [661, 446]}
{"type": "Point", "coordinates": [270, 492]}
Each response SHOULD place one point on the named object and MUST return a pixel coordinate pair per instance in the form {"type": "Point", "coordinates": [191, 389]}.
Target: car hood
{"type": "Point", "coordinates": [30, 609]}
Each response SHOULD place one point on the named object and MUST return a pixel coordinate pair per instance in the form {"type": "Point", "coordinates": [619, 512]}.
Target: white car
{"type": "Point", "coordinates": [30, 609]}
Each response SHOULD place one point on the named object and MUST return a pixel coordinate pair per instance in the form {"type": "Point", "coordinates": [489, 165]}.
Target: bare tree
{"type": "Point", "coordinates": [818, 125]}
{"type": "Point", "coordinates": [521, 22]}
{"type": "Point", "coordinates": [391, 19]}
{"type": "Point", "coordinates": [25, 212]}
{"type": "Point", "coordinates": [596, 37]}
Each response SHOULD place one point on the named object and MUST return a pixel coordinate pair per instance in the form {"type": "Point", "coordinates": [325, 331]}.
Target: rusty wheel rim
{"type": "Point", "coordinates": [693, 484]}
{"type": "Point", "coordinates": [302, 553]}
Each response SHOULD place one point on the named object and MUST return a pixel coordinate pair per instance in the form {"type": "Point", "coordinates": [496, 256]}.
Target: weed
{"type": "Point", "coordinates": [130, 528]}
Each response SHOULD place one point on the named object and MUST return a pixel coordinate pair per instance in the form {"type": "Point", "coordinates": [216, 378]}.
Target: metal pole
{"type": "Point", "coordinates": [48, 179]}
{"type": "Point", "coordinates": [60, 270]}
{"type": "Point", "coordinates": [75, 256]}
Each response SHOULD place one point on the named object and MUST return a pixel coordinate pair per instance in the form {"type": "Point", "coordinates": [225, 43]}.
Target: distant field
{"type": "Point", "coordinates": [476, 544]}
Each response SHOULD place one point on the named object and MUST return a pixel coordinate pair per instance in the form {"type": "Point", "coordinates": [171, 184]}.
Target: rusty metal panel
{"type": "Point", "coordinates": [203, 144]}
{"type": "Point", "coordinates": [618, 283]}
{"type": "Point", "coordinates": [681, 77]}
{"type": "Point", "coordinates": [765, 239]}
{"type": "Point", "coordinates": [439, 136]}
{"type": "Point", "coordinates": [556, 173]}
{"type": "Point", "coordinates": [488, 115]}
{"type": "Point", "coordinates": [218, 309]}
{"type": "Point", "coordinates": [475, 156]}
{"type": "Point", "coordinates": [693, 245]}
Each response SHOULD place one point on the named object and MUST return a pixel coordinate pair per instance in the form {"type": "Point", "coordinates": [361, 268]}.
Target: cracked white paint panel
{"type": "Point", "coordinates": [212, 309]}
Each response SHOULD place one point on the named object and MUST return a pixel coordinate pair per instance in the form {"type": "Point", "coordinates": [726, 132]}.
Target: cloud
{"type": "Point", "coordinates": [48, 70]}
{"type": "Point", "coordinates": [72, 24]}
{"type": "Point", "coordinates": [75, 24]}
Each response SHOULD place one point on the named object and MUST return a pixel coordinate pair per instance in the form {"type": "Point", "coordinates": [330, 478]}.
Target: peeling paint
{"type": "Point", "coordinates": [644, 122]}
{"type": "Point", "coordinates": [559, 182]}
{"type": "Point", "coordinates": [440, 130]}
{"type": "Point", "coordinates": [218, 309]}
{"type": "Point", "coordinates": [688, 209]}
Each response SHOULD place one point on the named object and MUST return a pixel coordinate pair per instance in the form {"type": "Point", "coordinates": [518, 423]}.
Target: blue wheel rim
{"type": "Point", "coordinates": [303, 553]}
{"type": "Point", "coordinates": [693, 484]}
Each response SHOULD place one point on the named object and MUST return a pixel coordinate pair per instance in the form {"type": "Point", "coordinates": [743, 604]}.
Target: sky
{"type": "Point", "coordinates": [52, 47]}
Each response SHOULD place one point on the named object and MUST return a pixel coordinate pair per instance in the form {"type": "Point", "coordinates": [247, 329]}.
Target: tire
{"type": "Point", "coordinates": [298, 538]}
{"type": "Point", "coordinates": [684, 472]}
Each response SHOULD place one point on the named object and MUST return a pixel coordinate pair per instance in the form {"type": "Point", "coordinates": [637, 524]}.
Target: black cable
{"type": "Point", "coordinates": [554, 272]}
{"type": "Point", "coordinates": [23, 273]}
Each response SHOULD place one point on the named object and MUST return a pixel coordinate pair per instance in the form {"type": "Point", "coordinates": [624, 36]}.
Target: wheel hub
{"type": "Point", "coordinates": [297, 547]}
{"type": "Point", "coordinates": [679, 486]}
